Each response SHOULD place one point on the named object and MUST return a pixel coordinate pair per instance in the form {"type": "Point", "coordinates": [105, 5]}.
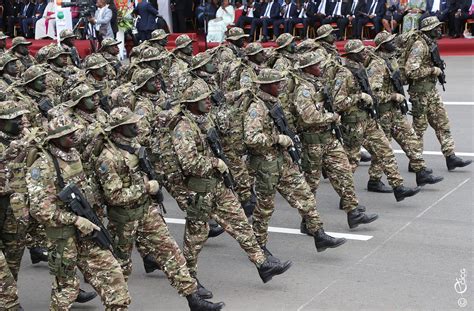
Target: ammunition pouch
{"type": "Point", "coordinates": [59, 266]}
{"type": "Point", "coordinates": [320, 138]}
{"type": "Point", "coordinates": [385, 107]}
{"type": "Point", "coordinates": [197, 209]}
{"type": "Point", "coordinates": [417, 109]}
{"type": "Point", "coordinates": [267, 173]}
{"type": "Point", "coordinates": [350, 135]}
{"type": "Point", "coordinates": [354, 117]}
{"type": "Point", "coordinates": [201, 185]}
{"type": "Point", "coordinates": [423, 85]}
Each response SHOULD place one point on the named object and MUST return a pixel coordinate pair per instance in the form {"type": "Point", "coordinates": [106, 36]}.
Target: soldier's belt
{"type": "Point", "coordinates": [354, 117]}
{"type": "Point", "coordinates": [63, 233]}
{"type": "Point", "coordinates": [385, 107]}
{"type": "Point", "coordinates": [422, 85]}
{"type": "Point", "coordinates": [201, 185]}
{"type": "Point", "coordinates": [321, 138]}
{"type": "Point", "coordinates": [123, 214]}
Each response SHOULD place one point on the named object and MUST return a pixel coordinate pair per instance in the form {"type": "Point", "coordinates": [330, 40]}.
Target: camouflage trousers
{"type": "Point", "coordinates": [395, 125]}
{"type": "Point", "coordinates": [242, 178]}
{"type": "Point", "coordinates": [179, 192]}
{"type": "Point", "coordinates": [332, 156]}
{"type": "Point", "coordinates": [36, 235]}
{"type": "Point", "coordinates": [8, 290]}
{"type": "Point", "coordinates": [12, 235]}
{"type": "Point", "coordinates": [366, 133]}
{"type": "Point", "coordinates": [99, 267]}
{"type": "Point", "coordinates": [159, 244]}
{"type": "Point", "coordinates": [223, 206]}
{"type": "Point", "coordinates": [282, 175]}
{"type": "Point", "coordinates": [428, 108]}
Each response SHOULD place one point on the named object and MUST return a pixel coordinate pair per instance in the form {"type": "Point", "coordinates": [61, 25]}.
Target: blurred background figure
{"type": "Point", "coordinates": [217, 27]}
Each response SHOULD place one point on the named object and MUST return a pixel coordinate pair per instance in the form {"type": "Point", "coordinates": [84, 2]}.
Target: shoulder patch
{"type": "Point", "coordinates": [338, 83]}
{"type": "Point", "coordinates": [306, 93]}
{"type": "Point", "coordinates": [103, 168]}
{"type": "Point", "coordinates": [178, 134]}
{"type": "Point", "coordinates": [35, 173]}
{"type": "Point", "coordinates": [253, 113]}
{"type": "Point", "coordinates": [140, 112]}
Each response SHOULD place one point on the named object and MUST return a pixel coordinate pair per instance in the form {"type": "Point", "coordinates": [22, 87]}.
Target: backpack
{"type": "Point", "coordinates": [404, 42]}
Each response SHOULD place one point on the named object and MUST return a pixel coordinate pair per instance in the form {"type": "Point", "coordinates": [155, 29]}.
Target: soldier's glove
{"type": "Point", "coordinates": [336, 117]}
{"type": "Point", "coordinates": [152, 187]}
{"type": "Point", "coordinates": [397, 98]}
{"type": "Point", "coordinates": [221, 166]}
{"type": "Point", "coordinates": [85, 226]}
{"type": "Point", "coordinates": [366, 99]}
{"type": "Point", "coordinates": [285, 141]}
{"type": "Point", "coordinates": [436, 71]}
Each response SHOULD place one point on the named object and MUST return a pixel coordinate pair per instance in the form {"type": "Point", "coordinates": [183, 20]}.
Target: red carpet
{"type": "Point", "coordinates": [448, 47]}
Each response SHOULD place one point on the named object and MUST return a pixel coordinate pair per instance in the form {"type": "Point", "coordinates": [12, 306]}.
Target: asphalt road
{"type": "Point", "coordinates": [415, 253]}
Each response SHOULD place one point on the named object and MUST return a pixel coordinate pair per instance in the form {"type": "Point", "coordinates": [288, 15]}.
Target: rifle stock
{"type": "Point", "coordinates": [216, 147]}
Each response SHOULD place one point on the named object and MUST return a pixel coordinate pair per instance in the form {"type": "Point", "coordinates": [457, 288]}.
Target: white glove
{"type": "Point", "coordinates": [85, 225]}
{"type": "Point", "coordinates": [398, 98]}
{"type": "Point", "coordinates": [285, 141]}
{"type": "Point", "coordinates": [152, 187]}
{"type": "Point", "coordinates": [367, 99]}
{"type": "Point", "coordinates": [436, 71]}
{"type": "Point", "coordinates": [221, 166]}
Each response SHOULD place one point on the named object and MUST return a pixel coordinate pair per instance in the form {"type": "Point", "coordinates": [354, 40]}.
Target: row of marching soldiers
{"type": "Point", "coordinates": [221, 131]}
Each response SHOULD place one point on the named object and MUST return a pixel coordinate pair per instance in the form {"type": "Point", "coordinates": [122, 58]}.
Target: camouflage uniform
{"type": "Point", "coordinates": [25, 61]}
{"type": "Point", "coordinates": [271, 165]}
{"type": "Point", "coordinates": [8, 289]}
{"type": "Point", "coordinates": [2, 37]}
{"type": "Point", "coordinates": [67, 252]}
{"type": "Point", "coordinates": [212, 199]}
{"type": "Point", "coordinates": [114, 65]}
{"type": "Point", "coordinates": [57, 75]}
{"type": "Point", "coordinates": [104, 85]}
{"type": "Point", "coordinates": [130, 207]}
{"type": "Point", "coordinates": [42, 55]}
{"type": "Point", "coordinates": [145, 60]}
{"type": "Point", "coordinates": [74, 58]}
{"type": "Point", "coordinates": [179, 67]}
{"type": "Point", "coordinates": [6, 80]}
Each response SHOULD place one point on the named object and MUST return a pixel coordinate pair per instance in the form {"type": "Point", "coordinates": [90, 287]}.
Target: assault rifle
{"type": "Point", "coordinates": [328, 101]}
{"type": "Point", "coordinates": [438, 62]}
{"type": "Point", "coordinates": [363, 79]}
{"type": "Point", "coordinates": [397, 83]}
{"type": "Point", "coordinates": [216, 147]}
{"type": "Point", "coordinates": [147, 167]}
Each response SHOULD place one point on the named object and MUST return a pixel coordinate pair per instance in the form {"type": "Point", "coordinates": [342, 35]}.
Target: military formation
{"type": "Point", "coordinates": [96, 141]}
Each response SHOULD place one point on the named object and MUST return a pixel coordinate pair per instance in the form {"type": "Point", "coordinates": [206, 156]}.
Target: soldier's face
{"type": "Point", "coordinates": [13, 126]}
{"type": "Point", "coordinates": [69, 41]}
{"type": "Point", "coordinates": [89, 104]}
{"type": "Point", "coordinates": [3, 43]}
{"type": "Point", "coordinates": [204, 105]}
{"type": "Point", "coordinates": [12, 69]}
{"type": "Point", "coordinates": [163, 42]}
{"type": "Point", "coordinates": [389, 47]}
{"type": "Point", "coordinates": [153, 86]}
{"type": "Point", "coordinates": [61, 60]}
{"type": "Point", "coordinates": [39, 84]}
{"type": "Point", "coordinates": [436, 33]}
{"type": "Point", "coordinates": [129, 130]}
{"type": "Point", "coordinates": [66, 142]}
{"type": "Point", "coordinates": [292, 47]}
{"type": "Point", "coordinates": [188, 49]}
{"type": "Point", "coordinates": [155, 64]}
{"type": "Point", "coordinates": [114, 50]}
{"type": "Point", "coordinates": [259, 58]}
{"type": "Point", "coordinates": [314, 70]}
{"type": "Point", "coordinates": [210, 67]}
{"type": "Point", "coordinates": [22, 49]}
{"type": "Point", "coordinates": [330, 39]}
{"type": "Point", "coordinates": [239, 42]}
{"type": "Point", "coordinates": [100, 72]}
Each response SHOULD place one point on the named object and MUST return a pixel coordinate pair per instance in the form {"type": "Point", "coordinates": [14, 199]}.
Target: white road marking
{"type": "Point", "coordinates": [460, 154]}
{"type": "Point", "coordinates": [459, 103]}
{"type": "Point", "coordinates": [349, 236]}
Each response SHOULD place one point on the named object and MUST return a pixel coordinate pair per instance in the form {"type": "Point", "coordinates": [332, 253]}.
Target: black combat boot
{"type": "Point", "coordinates": [270, 268]}
{"type": "Point", "coordinates": [378, 186]}
{"type": "Point", "coordinates": [402, 192]}
{"type": "Point", "coordinates": [196, 303]}
{"type": "Point", "coordinates": [323, 241]}
{"type": "Point", "coordinates": [365, 156]}
{"type": "Point", "coordinates": [215, 229]}
{"type": "Point", "coordinates": [356, 218]}
{"type": "Point", "coordinates": [411, 170]}
{"type": "Point", "coordinates": [150, 264]}
{"type": "Point", "coordinates": [84, 296]}
{"type": "Point", "coordinates": [453, 162]}
{"type": "Point", "coordinates": [249, 205]}
{"type": "Point", "coordinates": [38, 254]}
{"type": "Point", "coordinates": [203, 292]}
{"type": "Point", "coordinates": [423, 177]}
{"type": "Point", "coordinates": [269, 255]}
{"type": "Point", "coordinates": [360, 208]}
{"type": "Point", "coordinates": [303, 228]}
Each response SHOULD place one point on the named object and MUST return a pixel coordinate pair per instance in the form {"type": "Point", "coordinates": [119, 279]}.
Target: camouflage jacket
{"type": "Point", "coordinates": [236, 75]}
{"type": "Point", "coordinates": [149, 106]}
{"type": "Point", "coordinates": [346, 91]}
{"type": "Point", "coordinates": [379, 79]}
{"type": "Point", "coordinates": [24, 62]}
{"type": "Point", "coordinates": [74, 59]}
{"type": "Point", "coordinates": [419, 65]}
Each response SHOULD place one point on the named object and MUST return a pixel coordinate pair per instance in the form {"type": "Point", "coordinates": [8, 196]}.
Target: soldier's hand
{"type": "Point", "coordinates": [152, 187]}
{"type": "Point", "coordinates": [436, 71]}
{"type": "Point", "coordinates": [396, 97]}
{"type": "Point", "coordinates": [221, 166]}
{"type": "Point", "coordinates": [285, 141]}
{"type": "Point", "coordinates": [367, 99]}
{"type": "Point", "coordinates": [85, 226]}
{"type": "Point", "coordinates": [336, 117]}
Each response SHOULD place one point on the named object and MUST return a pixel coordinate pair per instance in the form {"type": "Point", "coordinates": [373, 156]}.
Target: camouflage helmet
{"type": "Point", "coordinates": [253, 48]}
{"type": "Point", "coordinates": [284, 40]}
{"type": "Point", "coordinates": [60, 126]}
{"type": "Point", "coordinates": [121, 116]}
{"type": "Point", "coordinates": [307, 46]}
{"type": "Point", "coordinates": [66, 33]}
{"type": "Point", "coordinates": [10, 110]}
{"type": "Point", "coordinates": [79, 92]}
{"type": "Point", "coordinates": [324, 31]}
{"type": "Point", "coordinates": [141, 76]}
{"type": "Point", "coordinates": [200, 60]}
{"type": "Point", "coordinates": [2, 35]}
{"type": "Point", "coordinates": [158, 34]}
{"type": "Point", "coordinates": [383, 37]}
{"type": "Point", "coordinates": [311, 58]}
{"type": "Point", "coordinates": [150, 54]}
{"type": "Point", "coordinates": [183, 41]}
{"type": "Point", "coordinates": [430, 23]}
{"type": "Point", "coordinates": [353, 47]}
{"type": "Point", "coordinates": [199, 90]}
{"type": "Point", "coordinates": [55, 51]}
{"type": "Point", "coordinates": [268, 76]}
{"type": "Point", "coordinates": [94, 61]}
{"type": "Point", "coordinates": [107, 42]}
{"type": "Point", "coordinates": [235, 33]}
{"type": "Point", "coordinates": [33, 73]}
{"type": "Point", "coordinates": [6, 58]}
{"type": "Point", "coordinates": [42, 54]}
{"type": "Point", "coordinates": [19, 41]}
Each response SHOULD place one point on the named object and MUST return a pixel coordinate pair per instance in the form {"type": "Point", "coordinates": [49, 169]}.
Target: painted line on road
{"type": "Point", "coordinates": [349, 236]}
{"type": "Point", "coordinates": [461, 154]}
{"type": "Point", "coordinates": [459, 103]}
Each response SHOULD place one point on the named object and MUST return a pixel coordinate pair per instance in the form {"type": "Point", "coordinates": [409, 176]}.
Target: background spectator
{"type": "Point", "coordinates": [217, 27]}
{"type": "Point", "coordinates": [334, 14]}
{"type": "Point", "coordinates": [12, 18]}
{"type": "Point", "coordinates": [101, 20]}
{"type": "Point", "coordinates": [289, 11]}
{"type": "Point", "coordinates": [459, 16]}
{"type": "Point", "coordinates": [393, 16]}
{"type": "Point", "coordinates": [270, 13]}
{"type": "Point", "coordinates": [181, 9]}
{"type": "Point", "coordinates": [46, 25]}
{"type": "Point", "coordinates": [374, 14]}
{"type": "Point", "coordinates": [146, 19]}
{"type": "Point", "coordinates": [27, 10]}
{"type": "Point", "coordinates": [250, 11]}
{"type": "Point", "coordinates": [306, 11]}
{"type": "Point", "coordinates": [414, 10]}
{"type": "Point", "coordinates": [28, 24]}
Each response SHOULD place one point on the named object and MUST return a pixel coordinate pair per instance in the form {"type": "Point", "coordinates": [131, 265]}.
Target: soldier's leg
{"type": "Point", "coordinates": [195, 235]}
{"type": "Point", "coordinates": [376, 166]}
{"type": "Point", "coordinates": [104, 273]}
{"type": "Point", "coordinates": [242, 178]}
{"type": "Point", "coordinates": [62, 264]}
{"type": "Point", "coordinates": [312, 164]}
{"type": "Point", "coordinates": [353, 136]}
{"type": "Point", "coordinates": [166, 252]}
{"type": "Point", "coordinates": [439, 121]}
{"type": "Point", "coordinates": [146, 236]}
{"type": "Point", "coordinates": [420, 120]}
{"type": "Point", "coordinates": [8, 289]}
{"type": "Point", "coordinates": [36, 241]}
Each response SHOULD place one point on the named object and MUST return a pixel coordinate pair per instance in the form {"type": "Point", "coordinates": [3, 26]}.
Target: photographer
{"type": "Point", "coordinates": [101, 20]}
